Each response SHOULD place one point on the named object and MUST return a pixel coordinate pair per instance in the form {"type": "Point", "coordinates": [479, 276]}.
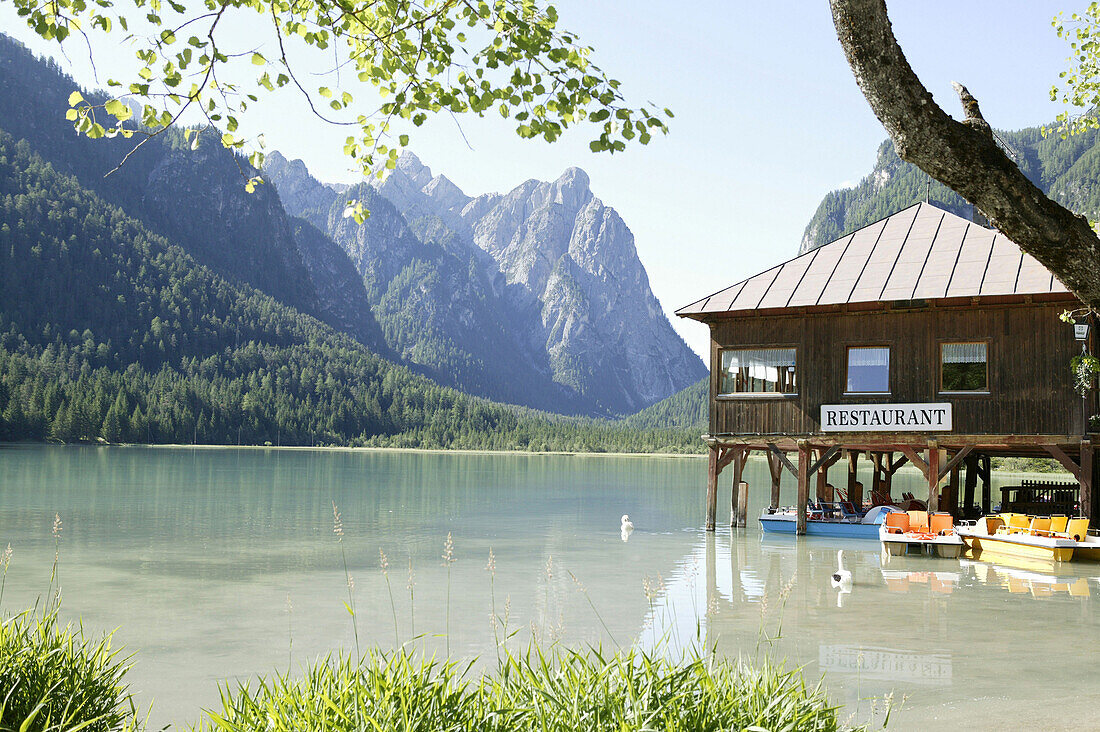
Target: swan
{"type": "Point", "coordinates": [625, 528]}
{"type": "Point", "coordinates": [842, 578]}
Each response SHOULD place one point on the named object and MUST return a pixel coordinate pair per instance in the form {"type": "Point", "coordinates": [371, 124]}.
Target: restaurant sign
{"type": "Point", "coordinates": [886, 417]}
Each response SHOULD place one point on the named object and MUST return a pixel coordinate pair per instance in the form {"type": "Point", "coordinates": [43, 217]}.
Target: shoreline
{"type": "Point", "coordinates": [337, 448]}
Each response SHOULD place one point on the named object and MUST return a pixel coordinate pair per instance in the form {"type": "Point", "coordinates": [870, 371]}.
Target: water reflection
{"type": "Point", "coordinates": [194, 553]}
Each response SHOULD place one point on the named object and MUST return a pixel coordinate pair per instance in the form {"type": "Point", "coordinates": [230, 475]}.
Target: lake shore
{"type": "Point", "coordinates": [421, 450]}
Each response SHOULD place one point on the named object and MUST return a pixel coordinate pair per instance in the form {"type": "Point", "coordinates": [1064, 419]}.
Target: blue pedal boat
{"type": "Point", "coordinates": [827, 520]}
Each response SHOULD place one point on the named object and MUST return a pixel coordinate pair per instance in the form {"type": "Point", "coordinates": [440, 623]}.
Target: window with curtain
{"type": "Point", "coordinates": [964, 367]}
{"type": "Point", "coordinates": [868, 369]}
{"type": "Point", "coordinates": [758, 370]}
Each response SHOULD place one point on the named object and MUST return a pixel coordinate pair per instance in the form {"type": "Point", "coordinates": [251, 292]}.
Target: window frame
{"type": "Point", "coordinates": [988, 391]}
{"type": "Point", "coordinates": [889, 370]}
{"type": "Point", "coordinates": [751, 395]}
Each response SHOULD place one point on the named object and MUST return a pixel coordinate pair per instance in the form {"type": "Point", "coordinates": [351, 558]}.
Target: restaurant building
{"type": "Point", "coordinates": [923, 338]}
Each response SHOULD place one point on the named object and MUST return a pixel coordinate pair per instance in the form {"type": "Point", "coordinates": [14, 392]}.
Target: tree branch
{"type": "Point", "coordinates": [963, 155]}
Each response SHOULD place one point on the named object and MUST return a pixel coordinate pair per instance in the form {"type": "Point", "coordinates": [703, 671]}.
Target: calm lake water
{"type": "Point", "coordinates": [218, 564]}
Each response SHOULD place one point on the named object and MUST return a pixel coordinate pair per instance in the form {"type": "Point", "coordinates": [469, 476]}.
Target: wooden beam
{"type": "Point", "coordinates": [742, 491]}
{"type": "Point", "coordinates": [955, 460]}
{"type": "Point", "coordinates": [738, 471]}
{"type": "Point", "coordinates": [803, 486]}
{"type": "Point", "coordinates": [827, 455]}
{"type": "Point", "coordinates": [933, 475]}
{"type": "Point", "coordinates": [915, 459]}
{"type": "Point", "coordinates": [1085, 495]}
{"type": "Point", "coordinates": [898, 463]}
{"type": "Point", "coordinates": [783, 458]}
{"type": "Point", "coordinates": [987, 483]}
{"type": "Point", "coordinates": [952, 499]}
{"type": "Point", "coordinates": [712, 488]}
{"type": "Point", "coordinates": [876, 472]}
{"type": "Point", "coordinates": [1067, 462]}
{"type": "Point", "coordinates": [971, 481]}
{"type": "Point", "coordinates": [776, 469]}
{"type": "Point", "coordinates": [855, 490]}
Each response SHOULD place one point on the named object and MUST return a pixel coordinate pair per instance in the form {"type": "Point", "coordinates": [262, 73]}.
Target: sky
{"type": "Point", "coordinates": [768, 119]}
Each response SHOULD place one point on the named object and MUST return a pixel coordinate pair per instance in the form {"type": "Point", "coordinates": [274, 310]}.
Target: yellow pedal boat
{"type": "Point", "coordinates": [1055, 539]}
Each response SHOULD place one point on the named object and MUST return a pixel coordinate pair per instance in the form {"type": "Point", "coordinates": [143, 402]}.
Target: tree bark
{"type": "Point", "coordinates": [963, 155]}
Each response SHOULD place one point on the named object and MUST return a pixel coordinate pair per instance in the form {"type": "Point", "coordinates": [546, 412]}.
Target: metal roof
{"type": "Point", "coordinates": [919, 253]}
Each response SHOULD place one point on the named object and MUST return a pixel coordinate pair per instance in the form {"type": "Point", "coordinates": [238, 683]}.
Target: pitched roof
{"type": "Point", "coordinates": [920, 252]}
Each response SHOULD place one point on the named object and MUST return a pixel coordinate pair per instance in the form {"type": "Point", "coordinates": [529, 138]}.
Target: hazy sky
{"type": "Point", "coordinates": [768, 119]}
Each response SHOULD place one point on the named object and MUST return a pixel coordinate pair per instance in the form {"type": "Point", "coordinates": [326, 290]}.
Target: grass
{"type": "Point", "coordinates": [560, 691]}
{"type": "Point", "coordinates": [54, 679]}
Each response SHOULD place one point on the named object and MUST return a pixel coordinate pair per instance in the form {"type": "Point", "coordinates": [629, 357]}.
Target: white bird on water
{"type": "Point", "coordinates": [625, 527]}
{"type": "Point", "coordinates": [842, 578]}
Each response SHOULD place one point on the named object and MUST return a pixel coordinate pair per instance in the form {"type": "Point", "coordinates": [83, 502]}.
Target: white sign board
{"type": "Point", "coordinates": [1081, 331]}
{"type": "Point", "coordinates": [886, 417]}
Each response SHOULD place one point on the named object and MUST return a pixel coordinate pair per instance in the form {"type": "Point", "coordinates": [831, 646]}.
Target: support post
{"type": "Point", "coordinates": [712, 488]}
{"type": "Point", "coordinates": [855, 489]}
{"type": "Point", "coordinates": [933, 476]}
{"type": "Point", "coordinates": [888, 483]}
{"type": "Point", "coordinates": [742, 504]}
{"type": "Point", "coordinates": [953, 489]}
{"type": "Point", "coordinates": [971, 482]}
{"type": "Point", "coordinates": [822, 479]}
{"type": "Point", "coordinates": [876, 468]}
{"type": "Point", "coordinates": [1086, 480]}
{"type": "Point", "coordinates": [804, 457]}
{"type": "Point", "coordinates": [739, 461]}
{"type": "Point", "coordinates": [775, 467]}
{"type": "Point", "coordinates": [987, 487]}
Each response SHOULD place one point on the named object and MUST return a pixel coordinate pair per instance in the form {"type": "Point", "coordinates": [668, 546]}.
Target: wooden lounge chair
{"type": "Point", "coordinates": [897, 522]}
{"type": "Point", "coordinates": [942, 524]}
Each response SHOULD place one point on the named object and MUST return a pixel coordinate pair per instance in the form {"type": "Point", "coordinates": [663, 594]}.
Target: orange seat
{"type": "Point", "coordinates": [897, 522]}
{"type": "Point", "coordinates": [942, 524]}
{"type": "Point", "coordinates": [918, 520]}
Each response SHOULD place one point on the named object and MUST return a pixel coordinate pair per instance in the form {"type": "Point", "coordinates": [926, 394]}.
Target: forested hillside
{"type": "Point", "coordinates": [111, 332]}
{"type": "Point", "coordinates": [1068, 170]}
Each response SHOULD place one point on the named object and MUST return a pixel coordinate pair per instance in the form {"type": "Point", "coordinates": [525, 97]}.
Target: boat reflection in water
{"type": "Point", "coordinates": [1020, 576]}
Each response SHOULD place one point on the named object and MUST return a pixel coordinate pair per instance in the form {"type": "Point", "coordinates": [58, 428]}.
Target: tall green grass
{"type": "Point", "coordinates": [54, 679]}
{"type": "Point", "coordinates": [559, 691]}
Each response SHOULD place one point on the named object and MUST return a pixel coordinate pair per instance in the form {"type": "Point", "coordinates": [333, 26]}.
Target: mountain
{"type": "Point", "coordinates": [686, 409]}
{"type": "Point", "coordinates": [545, 278]}
{"type": "Point", "coordinates": [1067, 170]}
{"type": "Point", "coordinates": [196, 198]}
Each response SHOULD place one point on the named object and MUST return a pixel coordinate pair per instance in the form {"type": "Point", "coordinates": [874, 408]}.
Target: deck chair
{"type": "Point", "coordinates": [1077, 529]}
{"type": "Point", "coordinates": [942, 524]}
{"type": "Point", "coordinates": [1040, 526]}
{"type": "Point", "coordinates": [897, 522]}
{"type": "Point", "coordinates": [847, 510]}
{"type": "Point", "coordinates": [918, 520]}
{"type": "Point", "coordinates": [1057, 526]}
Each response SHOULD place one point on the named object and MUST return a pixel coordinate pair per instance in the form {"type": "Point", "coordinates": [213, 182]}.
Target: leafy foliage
{"type": "Point", "coordinates": [536, 690]}
{"type": "Point", "coordinates": [505, 56]}
{"type": "Point", "coordinates": [55, 679]}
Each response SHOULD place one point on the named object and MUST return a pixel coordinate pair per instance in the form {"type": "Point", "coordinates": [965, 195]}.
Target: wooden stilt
{"type": "Point", "coordinates": [971, 483]}
{"type": "Point", "coordinates": [822, 480]}
{"type": "Point", "coordinates": [739, 461]}
{"type": "Point", "coordinates": [876, 469]}
{"type": "Point", "coordinates": [933, 475]}
{"type": "Point", "coordinates": [987, 488]}
{"type": "Point", "coordinates": [1086, 480]}
{"type": "Point", "coordinates": [804, 457]}
{"type": "Point", "coordinates": [712, 488]}
{"type": "Point", "coordinates": [888, 469]}
{"type": "Point", "coordinates": [855, 489]}
{"type": "Point", "coordinates": [742, 504]}
{"type": "Point", "coordinates": [775, 467]}
{"type": "Point", "coordinates": [952, 502]}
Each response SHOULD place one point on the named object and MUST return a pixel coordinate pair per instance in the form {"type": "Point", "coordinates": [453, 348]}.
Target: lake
{"type": "Point", "coordinates": [219, 564]}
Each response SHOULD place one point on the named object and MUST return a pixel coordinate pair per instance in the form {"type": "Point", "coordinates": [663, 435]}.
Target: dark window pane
{"type": "Point", "coordinates": [964, 367]}
{"type": "Point", "coordinates": [758, 370]}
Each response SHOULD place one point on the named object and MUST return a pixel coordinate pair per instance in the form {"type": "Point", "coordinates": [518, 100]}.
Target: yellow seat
{"type": "Point", "coordinates": [942, 524]}
{"type": "Point", "coordinates": [1018, 523]}
{"type": "Point", "coordinates": [918, 520]}
{"type": "Point", "coordinates": [1077, 529]}
{"type": "Point", "coordinates": [1057, 526]}
{"type": "Point", "coordinates": [1040, 526]}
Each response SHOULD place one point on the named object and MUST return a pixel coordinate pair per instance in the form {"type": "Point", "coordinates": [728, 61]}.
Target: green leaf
{"type": "Point", "coordinates": [75, 98]}
{"type": "Point", "coordinates": [258, 60]}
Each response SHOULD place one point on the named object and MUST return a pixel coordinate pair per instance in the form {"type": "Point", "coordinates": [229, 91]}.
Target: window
{"type": "Point", "coordinates": [758, 370]}
{"type": "Point", "coordinates": [868, 370]}
{"type": "Point", "coordinates": [963, 367]}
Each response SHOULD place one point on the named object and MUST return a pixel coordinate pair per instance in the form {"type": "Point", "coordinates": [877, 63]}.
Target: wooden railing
{"type": "Point", "coordinates": [1040, 497]}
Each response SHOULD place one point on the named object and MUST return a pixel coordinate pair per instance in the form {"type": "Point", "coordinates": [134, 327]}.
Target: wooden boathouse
{"type": "Point", "coordinates": [923, 338]}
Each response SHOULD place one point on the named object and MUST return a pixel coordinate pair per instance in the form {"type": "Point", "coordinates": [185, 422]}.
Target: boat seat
{"type": "Point", "coordinates": [1077, 529]}
{"type": "Point", "coordinates": [1017, 523]}
{"type": "Point", "coordinates": [1057, 526]}
{"type": "Point", "coordinates": [942, 524]}
{"type": "Point", "coordinates": [897, 522]}
{"type": "Point", "coordinates": [918, 520]}
{"type": "Point", "coordinates": [1040, 525]}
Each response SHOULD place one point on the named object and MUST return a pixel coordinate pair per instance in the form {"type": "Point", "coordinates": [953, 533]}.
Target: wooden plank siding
{"type": "Point", "coordinates": [1029, 351]}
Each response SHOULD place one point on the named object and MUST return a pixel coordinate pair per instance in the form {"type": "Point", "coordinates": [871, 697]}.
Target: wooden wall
{"type": "Point", "coordinates": [1031, 388]}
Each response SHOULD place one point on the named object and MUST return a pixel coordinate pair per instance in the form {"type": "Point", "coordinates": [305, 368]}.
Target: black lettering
{"type": "Point", "coordinates": [830, 418]}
